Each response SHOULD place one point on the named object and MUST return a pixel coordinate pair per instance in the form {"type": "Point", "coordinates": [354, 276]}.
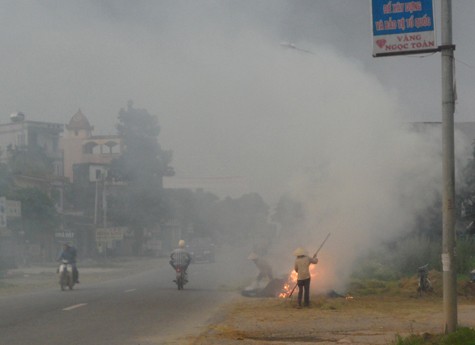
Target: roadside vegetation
{"type": "Point", "coordinates": [395, 265]}
{"type": "Point", "coordinates": [391, 273]}
{"type": "Point", "coordinates": [462, 336]}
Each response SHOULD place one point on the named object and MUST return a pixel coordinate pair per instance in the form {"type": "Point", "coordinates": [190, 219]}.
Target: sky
{"type": "Point", "coordinates": [231, 98]}
{"type": "Point", "coordinates": [241, 110]}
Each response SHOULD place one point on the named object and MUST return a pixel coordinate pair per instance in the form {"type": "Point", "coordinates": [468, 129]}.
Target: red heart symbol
{"type": "Point", "coordinates": [381, 43]}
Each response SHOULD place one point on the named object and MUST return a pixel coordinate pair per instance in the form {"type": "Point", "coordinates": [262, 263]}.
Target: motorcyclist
{"type": "Point", "coordinates": [69, 254]}
{"type": "Point", "coordinates": [180, 257]}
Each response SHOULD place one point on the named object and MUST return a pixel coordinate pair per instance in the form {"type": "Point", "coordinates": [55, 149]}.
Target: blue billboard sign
{"type": "Point", "coordinates": [402, 27]}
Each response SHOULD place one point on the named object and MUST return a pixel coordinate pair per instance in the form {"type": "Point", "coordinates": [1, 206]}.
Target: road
{"type": "Point", "coordinates": [144, 308]}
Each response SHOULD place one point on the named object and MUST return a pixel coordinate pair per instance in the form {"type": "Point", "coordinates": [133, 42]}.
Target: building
{"type": "Point", "coordinates": [93, 153]}
{"type": "Point", "coordinates": [20, 133]}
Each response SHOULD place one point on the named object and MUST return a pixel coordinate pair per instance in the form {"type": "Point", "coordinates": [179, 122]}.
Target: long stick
{"type": "Point", "coordinates": [326, 238]}
{"type": "Point", "coordinates": [291, 292]}
{"type": "Point", "coordinates": [314, 255]}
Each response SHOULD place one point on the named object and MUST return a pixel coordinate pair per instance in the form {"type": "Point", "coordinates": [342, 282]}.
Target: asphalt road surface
{"type": "Point", "coordinates": [143, 309]}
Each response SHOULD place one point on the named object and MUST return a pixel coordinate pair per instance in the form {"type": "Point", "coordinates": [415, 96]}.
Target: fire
{"type": "Point", "coordinates": [292, 282]}
{"type": "Point", "coordinates": [318, 275]}
{"type": "Point", "coordinates": [289, 285]}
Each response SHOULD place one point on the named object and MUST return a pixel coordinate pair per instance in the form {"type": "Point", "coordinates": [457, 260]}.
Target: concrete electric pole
{"type": "Point", "coordinates": [448, 202]}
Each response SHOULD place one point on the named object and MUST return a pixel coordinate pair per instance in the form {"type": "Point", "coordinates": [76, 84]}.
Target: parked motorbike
{"type": "Point", "coordinates": [181, 277]}
{"type": "Point", "coordinates": [424, 282]}
{"type": "Point", "coordinates": [65, 272]}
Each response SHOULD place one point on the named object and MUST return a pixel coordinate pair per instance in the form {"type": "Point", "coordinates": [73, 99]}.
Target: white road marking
{"type": "Point", "coordinates": [75, 306]}
{"type": "Point", "coordinates": [130, 290]}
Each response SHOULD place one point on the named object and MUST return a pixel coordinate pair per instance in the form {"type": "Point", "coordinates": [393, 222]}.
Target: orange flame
{"type": "Point", "coordinates": [289, 285]}
{"type": "Point", "coordinates": [320, 274]}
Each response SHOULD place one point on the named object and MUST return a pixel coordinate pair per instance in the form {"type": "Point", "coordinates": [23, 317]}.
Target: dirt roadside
{"type": "Point", "coordinates": [363, 320]}
{"type": "Point", "coordinates": [368, 320]}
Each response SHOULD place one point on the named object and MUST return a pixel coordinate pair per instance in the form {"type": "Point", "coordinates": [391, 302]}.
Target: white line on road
{"type": "Point", "coordinates": [75, 306]}
{"type": "Point", "coordinates": [130, 290]}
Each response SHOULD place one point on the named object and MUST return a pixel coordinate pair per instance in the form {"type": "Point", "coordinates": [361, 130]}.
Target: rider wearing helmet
{"type": "Point", "coordinates": [69, 254]}
{"type": "Point", "coordinates": [180, 256]}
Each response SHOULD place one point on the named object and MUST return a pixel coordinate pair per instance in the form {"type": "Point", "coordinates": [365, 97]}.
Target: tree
{"type": "Point", "coordinates": [241, 220]}
{"type": "Point", "coordinates": [143, 163]}
{"type": "Point", "coordinates": [466, 194]}
{"type": "Point", "coordinates": [193, 210]}
{"type": "Point", "coordinates": [142, 166]}
{"type": "Point", "coordinates": [289, 213]}
{"type": "Point", "coordinates": [39, 218]}
{"type": "Point", "coordinates": [6, 180]}
{"type": "Point", "coordinates": [31, 162]}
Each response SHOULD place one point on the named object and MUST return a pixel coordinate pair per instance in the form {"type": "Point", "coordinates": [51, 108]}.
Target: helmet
{"type": "Point", "coordinates": [300, 251]}
{"type": "Point", "coordinates": [181, 244]}
{"type": "Point", "coordinates": [252, 256]}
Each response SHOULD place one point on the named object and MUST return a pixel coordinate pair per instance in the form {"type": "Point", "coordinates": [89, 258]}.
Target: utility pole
{"type": "Point", "coordinates": [96, 204]}
{"type": "Point", "coordinates": [448, 202]}
{"type": "Point", "coordinates": [385, 29]}
{"type": "Point", "coordinates": [104, 201]}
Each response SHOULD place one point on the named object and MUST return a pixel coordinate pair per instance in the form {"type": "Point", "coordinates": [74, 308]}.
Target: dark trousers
{"type": "Point", "coordinates": [304, 289]}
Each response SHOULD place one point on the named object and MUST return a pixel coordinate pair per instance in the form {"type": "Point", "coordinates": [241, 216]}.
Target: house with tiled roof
{"type": "Point", "coordinates": [85, 151]}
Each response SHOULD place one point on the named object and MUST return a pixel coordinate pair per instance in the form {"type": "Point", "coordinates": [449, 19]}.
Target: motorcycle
{"type": "Point", "coordinates": [424, 282]}
{"type": "Point", "coordinates": [181, 277]}
{"type": "Point", "coordinates": [65, 272]}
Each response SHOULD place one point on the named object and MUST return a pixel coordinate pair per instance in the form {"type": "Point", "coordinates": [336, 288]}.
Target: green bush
{"type": "Point", "coordinates": [411, 340]}
{"type": "Point", "coordinates": [465, 258]}
{"type": "Point", "coordinates": [462, 336]}
{"type": "Point", "coordinates": [373, 266]}
{"type": "Point", "coordinates": [371, 287]}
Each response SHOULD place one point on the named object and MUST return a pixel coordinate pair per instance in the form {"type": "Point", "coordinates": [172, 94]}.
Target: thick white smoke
{"type": "Point", "coordinates": [369, 174]}
{"type": "Point", "coordinates": [233, 101]}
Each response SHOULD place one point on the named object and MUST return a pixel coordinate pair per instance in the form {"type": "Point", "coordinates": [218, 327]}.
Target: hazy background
{"type": "Point", "coordinates": [232, 100]}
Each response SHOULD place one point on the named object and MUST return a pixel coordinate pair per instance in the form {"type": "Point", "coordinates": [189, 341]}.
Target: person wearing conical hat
{"type": "Point", "coordinates": [265, 270]}
{"type": "Point", "coordinates": [302, 264]}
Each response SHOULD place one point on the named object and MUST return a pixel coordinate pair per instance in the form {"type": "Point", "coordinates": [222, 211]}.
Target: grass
{"type": "Point", "coordinates": [462, 336]}
{"type": "Point", "coordinates": [395, 293]}
{"type": "Point", "coordinates": [406, 286]}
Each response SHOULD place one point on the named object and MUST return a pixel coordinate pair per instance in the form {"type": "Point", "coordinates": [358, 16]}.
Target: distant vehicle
{"type": "Point", "coordinates": [202, 249]}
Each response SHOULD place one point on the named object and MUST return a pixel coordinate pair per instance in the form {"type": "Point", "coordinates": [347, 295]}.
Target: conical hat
{"type": "Point", "coordinates": [300, 251]}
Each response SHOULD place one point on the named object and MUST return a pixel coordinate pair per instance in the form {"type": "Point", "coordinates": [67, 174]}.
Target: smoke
{"type": "Point", "coordinates": [372, 177]}
{"type": "Point", "coordinates": [321, 128]}
{"type": "Point", "coordinates": [232, 101]}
